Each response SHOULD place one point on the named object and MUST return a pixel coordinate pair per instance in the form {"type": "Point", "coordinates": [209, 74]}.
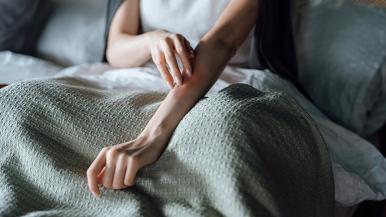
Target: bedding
{"type": "Point", "coordinates": [74, 33]}
{"type": "Point", "coordinates": [20, 24]}
{"type": "Point", "coordinates": [357, 172]}
{"type": "Point", "coordinates": [16, 67]}
{"type": "Point", "coordinates": [344, 72]}
{"type": "Point", "coordinates": [216, 163]}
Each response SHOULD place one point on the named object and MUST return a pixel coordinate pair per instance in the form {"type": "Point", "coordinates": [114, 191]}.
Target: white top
{"type": "Point", "coordinates": [190, 18]}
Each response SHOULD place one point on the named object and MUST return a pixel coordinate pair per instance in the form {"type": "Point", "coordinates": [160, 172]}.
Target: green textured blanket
{"type": "Point", "coordinates": [237, 153]}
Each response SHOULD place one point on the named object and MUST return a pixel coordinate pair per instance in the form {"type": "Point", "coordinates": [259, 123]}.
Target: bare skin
{"type": "Point", "coordinates": [116, 166]}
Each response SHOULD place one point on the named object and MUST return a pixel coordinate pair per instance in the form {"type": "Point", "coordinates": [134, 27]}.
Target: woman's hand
{"type": "Point", "coordinates": [116, 166]}
{"type": "Point", "coordinates": [166, 50]}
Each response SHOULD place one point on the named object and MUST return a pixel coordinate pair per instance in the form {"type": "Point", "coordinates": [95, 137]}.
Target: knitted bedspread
{"type": "Point", "coordinates": [238, 153]}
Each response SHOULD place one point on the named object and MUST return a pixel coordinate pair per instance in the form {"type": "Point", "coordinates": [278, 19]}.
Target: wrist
{"type": "Point", "coordinates": [160, 131]}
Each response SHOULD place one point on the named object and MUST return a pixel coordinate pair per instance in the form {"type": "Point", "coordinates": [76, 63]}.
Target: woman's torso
{"type": "Point", "coordinates": [192, 19]}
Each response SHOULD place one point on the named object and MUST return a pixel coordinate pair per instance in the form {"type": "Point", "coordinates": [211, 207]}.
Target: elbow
{"type": "Point", "coordinates": [115, 57]}
{"type": "Point", "coordinates": [110, 51]}
{"type": "Point", "coordinates": [111, 57]}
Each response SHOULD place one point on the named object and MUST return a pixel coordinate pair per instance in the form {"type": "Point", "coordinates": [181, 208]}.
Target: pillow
{"type": "Point", "coordinates": [341, 50]}
{"type": "Point", "coordinates": [20, 24]}
{"type": "Point", "coordinates": [75, 32]}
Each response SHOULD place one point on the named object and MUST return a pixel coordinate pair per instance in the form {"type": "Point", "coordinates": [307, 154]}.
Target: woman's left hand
{"type": "Point", "coordinates": [116, 166]}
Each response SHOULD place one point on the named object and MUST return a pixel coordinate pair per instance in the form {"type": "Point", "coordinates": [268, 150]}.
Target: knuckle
{"type": "Point", "coordinates": [104, 149]}
{"type": "Point", "coordinates": [164, 42]}
{"type": "Point", "coordinates": [174, 37]}
{"type": "Point", "coordinates": [122, 156]}
{"type": "Point", "coordinates": [90, 172]}
{"type": "Point", "coordinates": [179, 49]}
{"type": "Point", "coordinates": [112, 152]}
{"type": "Point", "coordinates": [169, 57]}
{"type": "Point", "coordinates": [178, 36]}
{"type": "Point", "coordinates": [134, 159]}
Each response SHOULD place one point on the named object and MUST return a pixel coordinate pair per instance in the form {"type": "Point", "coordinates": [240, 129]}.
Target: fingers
{"type": "Point", "coordinates": [94, 170]}
{"type": "Point", "coordinates": [100, 176]}
{"type": "Point", "coordinates": [182, 52]}
{"type": "Point", "coordinates": [189, 48]}
{"type": "Point", "coordinates": [116, 167]}
{"type": "Point", "coordinates": [161, 65]}
{"type": "Point", "coordinates": [131, 171]}
{"type": "Point", "coordinates": [120, 171]}
{"type": "Point", "coordinates": [170, 57]}
{"type": "Point", "coordinates": [111, 158]}
{"type": "Point", "coordinates": [169, 53]}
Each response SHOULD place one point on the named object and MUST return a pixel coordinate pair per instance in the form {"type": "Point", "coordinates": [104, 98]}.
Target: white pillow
{"type": "Point", "coordinates": [341, 46]}
{"type": "Point", "coordinates": [74, 33]}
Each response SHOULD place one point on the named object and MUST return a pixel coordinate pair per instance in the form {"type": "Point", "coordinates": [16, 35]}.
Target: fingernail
{"type": "Point", "coordinates": [189, 72]}
{"type": "Point", "coordinates": [95, 195]}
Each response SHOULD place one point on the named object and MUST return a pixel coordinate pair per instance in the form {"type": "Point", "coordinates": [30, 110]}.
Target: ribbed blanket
{"type": "Point", "coordinates": [238, 153]}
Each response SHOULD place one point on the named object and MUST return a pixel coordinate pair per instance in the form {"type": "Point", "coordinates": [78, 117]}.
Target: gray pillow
{"type": "Point", "coordinates": [20, 24]}
{"type": "Point", "coordinates": [341, 49]}
{"type": "Point", "coordinates": [74, 33]}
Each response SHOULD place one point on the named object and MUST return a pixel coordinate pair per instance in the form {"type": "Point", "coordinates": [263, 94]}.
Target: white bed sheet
{"type": "Point", "coordinates": [16, 67]}
{"type": "Point", "coordinates": [350, 187]}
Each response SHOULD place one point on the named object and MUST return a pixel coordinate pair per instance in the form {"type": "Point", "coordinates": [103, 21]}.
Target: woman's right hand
{"type": "Point", "coordinates": [166, 48]}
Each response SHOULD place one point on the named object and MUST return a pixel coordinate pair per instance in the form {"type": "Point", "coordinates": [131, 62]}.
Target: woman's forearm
{"type": "Point", "coordinates": [129, 50]}
{"type": "Point", "coordinates": [211, 58]}
{"type": "Point", "coordinates": [214, 51]}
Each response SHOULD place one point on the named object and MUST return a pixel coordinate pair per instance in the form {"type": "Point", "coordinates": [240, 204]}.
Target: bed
{"type": "Point", "coordinates": [352, 182]}
{"type": "Point", "coordinates": [350, 189]}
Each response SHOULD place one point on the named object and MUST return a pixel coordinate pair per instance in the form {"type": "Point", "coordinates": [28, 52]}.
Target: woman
{"type": "Point", "coordinates": [239, 152]}
{"type": "Point", "coordinates": [116, 166]}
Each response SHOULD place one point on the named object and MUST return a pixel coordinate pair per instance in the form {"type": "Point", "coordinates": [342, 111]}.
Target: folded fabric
{"type": "Point", "coordinates": [239, 153]}
{"type": "Point", "coordinates": [341, 47]}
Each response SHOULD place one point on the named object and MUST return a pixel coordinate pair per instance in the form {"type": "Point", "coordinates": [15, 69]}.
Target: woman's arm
{"type": "Point", "coordinates": [214, 51]}
{"type": "Point", "coordinates": [116, 166]}
{"type": "Point", "coordinates": [124, 39]}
